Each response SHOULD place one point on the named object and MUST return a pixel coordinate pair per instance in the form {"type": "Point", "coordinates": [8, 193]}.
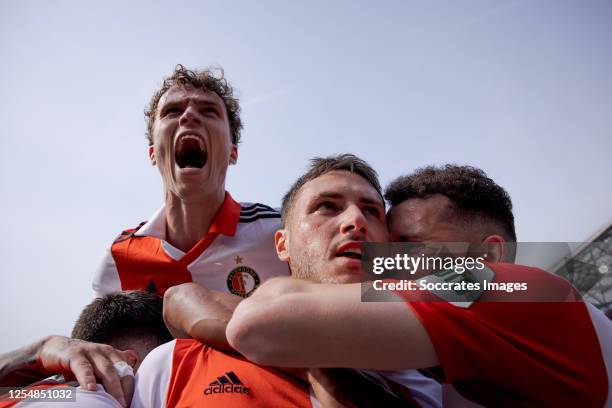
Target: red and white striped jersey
{"type": "Point", "coordinates": [185, 372]}
{"type": "Point", "coordinates": [235, 256]}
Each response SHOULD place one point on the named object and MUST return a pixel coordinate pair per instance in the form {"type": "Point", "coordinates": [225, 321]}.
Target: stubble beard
{"type": "Point", "coordinates": [307, 266]}
{"type": "Point", "coordinates": [311, 267]}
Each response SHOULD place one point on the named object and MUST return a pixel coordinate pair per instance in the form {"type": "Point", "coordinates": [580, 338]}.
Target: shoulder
{"type": "Point", "coordinates": [93, 399]}
{"type": "Point", "coordinates": [153, 377]}
{"type": "Point", "coordinates": [161, 357]}
{"type": "Point", "coordinates": [128, 233]}
{"type": "Point", "coordinates": [157, 358]}
{"type": "Point", "coordinates": [515, 272]}
{"type": "Point", "coordinates": [252, 212]}
{"type": "Point", "coordinates": [539, 284]}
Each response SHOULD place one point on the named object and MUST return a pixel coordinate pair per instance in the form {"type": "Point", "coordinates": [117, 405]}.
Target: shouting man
{"type": "Point", "coordinates": [200, 234]}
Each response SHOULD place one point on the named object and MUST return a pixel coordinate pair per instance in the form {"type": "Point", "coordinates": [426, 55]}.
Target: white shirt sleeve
{"type": "Point", "coordinates": [153, 378]}
{"type": "Point", "coordinates": [84, 399]}
{"type": "Point", "coordinates": [106, 280]}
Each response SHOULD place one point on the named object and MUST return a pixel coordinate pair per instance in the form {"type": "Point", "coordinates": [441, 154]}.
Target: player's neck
{"type": "Point", "coordinates": [187, 222]}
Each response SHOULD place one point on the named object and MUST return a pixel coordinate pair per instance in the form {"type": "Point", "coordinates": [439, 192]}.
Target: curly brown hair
{"type": "Point", "coordinates": [209, 79]}
{"type": "Point", "coordinates": [470, 190]}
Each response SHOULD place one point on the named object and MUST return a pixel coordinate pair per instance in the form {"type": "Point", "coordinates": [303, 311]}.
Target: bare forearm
{"type": "Point", "coordinates": [193, 311]}
{"type": "Point", "coordinates": [21, 367]}
{"type": "Point", "coordinates": [324, 325]}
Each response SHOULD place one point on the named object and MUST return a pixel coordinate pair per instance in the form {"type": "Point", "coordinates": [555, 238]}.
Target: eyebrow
{"type": "Point", "coordinates": [202, 100]}
{"type": "Point", "coordinates": [362, 200]}
{"type": "Point", "coordinates": [171, 102]}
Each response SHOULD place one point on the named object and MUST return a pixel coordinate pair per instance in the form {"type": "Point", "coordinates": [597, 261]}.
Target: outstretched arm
{"type": "Point", "coordinates": [291, 322]}
{"type": "Point", "coordinates": [62, 355]}
{"type": "Point", "coordinates": [20, 367]}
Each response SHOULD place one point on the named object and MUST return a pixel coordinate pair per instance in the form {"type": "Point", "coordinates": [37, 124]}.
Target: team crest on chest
{"type": "Point", "coordinates": [242, 280]}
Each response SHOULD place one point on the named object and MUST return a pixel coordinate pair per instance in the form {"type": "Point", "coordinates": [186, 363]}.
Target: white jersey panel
{"type": "Point", "coordinates": [106, 279]}
{"type": "Point", "coordinates": [153, 377]}
{"type": "Point", "coordinates": [248, 258]}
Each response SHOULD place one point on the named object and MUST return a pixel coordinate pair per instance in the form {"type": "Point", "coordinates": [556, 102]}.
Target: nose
{"type": "Point", "coordinates": [190, 115]}
{"type": "Point", "coordinates": [354, 221]}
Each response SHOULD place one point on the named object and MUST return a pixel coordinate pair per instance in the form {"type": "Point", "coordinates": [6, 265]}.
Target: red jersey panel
{"type": "Point", "coordinates": [186, 373]}
{"type": "Point", "coordinates": [519, 353]}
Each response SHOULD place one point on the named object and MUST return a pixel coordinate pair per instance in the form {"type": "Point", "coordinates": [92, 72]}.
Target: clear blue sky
{"type": "Point", "coordinates": [520, 88]}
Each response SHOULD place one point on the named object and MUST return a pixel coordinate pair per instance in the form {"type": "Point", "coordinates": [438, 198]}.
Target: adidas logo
{"type": "Point", "coordinates": [228, 383]}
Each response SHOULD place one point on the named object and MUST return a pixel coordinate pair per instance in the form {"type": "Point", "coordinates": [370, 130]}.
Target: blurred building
{"type": "Point", "coordinates": [589, 268]}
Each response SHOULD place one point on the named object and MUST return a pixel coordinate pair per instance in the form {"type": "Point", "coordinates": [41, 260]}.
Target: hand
{"type": "Point", "coordinates": [87, 361]}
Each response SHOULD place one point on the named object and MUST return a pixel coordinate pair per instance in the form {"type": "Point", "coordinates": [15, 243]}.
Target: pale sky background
{"type": "Point", "coordinates": [522, 89]}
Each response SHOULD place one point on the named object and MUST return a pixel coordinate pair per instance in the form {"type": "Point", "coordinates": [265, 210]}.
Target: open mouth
{"type": "Point", "coordinates": [190, 152]}
{"type": "Point", "coordinates": [353, 253]}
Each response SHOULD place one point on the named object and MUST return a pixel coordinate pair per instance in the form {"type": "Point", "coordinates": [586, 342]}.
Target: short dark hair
{"type": "Point", "coordinates": [470, 190]}
{"type": "Point", "coordinates": [119, 315]}
{"type": "Point", "coordinates": [321, 165]}
{"type": "Point", "coordinates": [209, 79]}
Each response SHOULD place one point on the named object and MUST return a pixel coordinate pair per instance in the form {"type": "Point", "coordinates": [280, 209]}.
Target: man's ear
{"type": "Point", "coordinates": [152, 155]}
{"type": "Point", "coordinates": [281, 244]}
{"type": "Point", "coordinates": [494, 247]}
{"type": "Point", "coordinates": [132, 357]}
{"type": "Point", "coordinates": [234, 154]}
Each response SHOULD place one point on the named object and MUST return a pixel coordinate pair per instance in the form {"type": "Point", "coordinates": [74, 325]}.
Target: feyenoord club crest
{"type": "Point", "coordinates": [242, 280]}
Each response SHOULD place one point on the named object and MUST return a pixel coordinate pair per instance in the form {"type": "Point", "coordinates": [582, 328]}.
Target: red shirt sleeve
{"type": "Point", "coordinates": [518, 353]}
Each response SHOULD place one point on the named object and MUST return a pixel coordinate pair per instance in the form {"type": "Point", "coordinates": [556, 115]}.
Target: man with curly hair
{"type": "Point", "coordinates": [543, 348]}
{"type": "Point", "coordinates": [200, 234]}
